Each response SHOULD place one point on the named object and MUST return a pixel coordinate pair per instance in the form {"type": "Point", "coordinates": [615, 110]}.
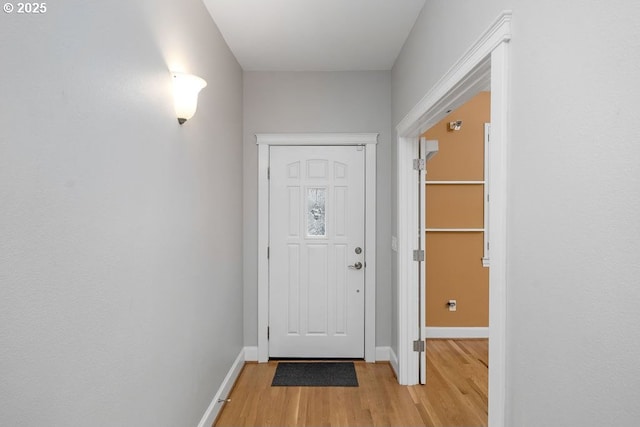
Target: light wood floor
{"type": "Point", "coordinates": [455, 394]}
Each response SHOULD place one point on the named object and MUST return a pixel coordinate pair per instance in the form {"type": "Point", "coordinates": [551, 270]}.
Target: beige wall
{"type": "Point", "coordinates": [454, 259]}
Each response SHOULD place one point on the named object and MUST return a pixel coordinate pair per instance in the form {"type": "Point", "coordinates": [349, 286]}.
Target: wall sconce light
{"type": "Point", "coordinates": [185, 94]}
{"type": "Point", "coordinates": [457, 125]}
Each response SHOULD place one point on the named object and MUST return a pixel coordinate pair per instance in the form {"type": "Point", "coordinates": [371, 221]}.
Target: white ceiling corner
{"type": "Point", "coordinates": [315, 35]}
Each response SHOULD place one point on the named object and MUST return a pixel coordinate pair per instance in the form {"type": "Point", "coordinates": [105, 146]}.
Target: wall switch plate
{"type": "Point", "coordinates": [453, 305]}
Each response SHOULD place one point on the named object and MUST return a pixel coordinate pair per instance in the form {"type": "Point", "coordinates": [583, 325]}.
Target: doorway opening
{"type": "Point", "coordinates": [456, 212]}
{"type": "Point", "coordinates": [484, 65]}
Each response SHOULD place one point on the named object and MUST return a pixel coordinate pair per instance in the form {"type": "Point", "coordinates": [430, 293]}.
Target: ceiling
{"type": "Point", "coordinates": [315, 35]}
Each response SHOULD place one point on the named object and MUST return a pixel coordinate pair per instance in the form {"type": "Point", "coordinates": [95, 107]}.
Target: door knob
{"type": "Point", "coordinates": [356, 266]}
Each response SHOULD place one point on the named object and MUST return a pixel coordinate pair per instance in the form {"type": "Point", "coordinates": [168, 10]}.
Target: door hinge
{"type": "Point", "coordinates": [267, 332]}
{"type": "Point", "coordinates": [268, 173]}
{"type": "Point", "coordinates": [418, 345]}
{"type": "Point", "coordinates": [268, 252]}
{"type": "Point", "coordinates": [487, 245]}
{"type": "Point", "coordinates": [418, 255]}
{"type": "Point", "coordinates": [419, 164]}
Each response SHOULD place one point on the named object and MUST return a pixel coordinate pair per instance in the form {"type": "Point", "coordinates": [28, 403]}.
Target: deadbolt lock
{"type": "Point", "coordinates": [358, 250]}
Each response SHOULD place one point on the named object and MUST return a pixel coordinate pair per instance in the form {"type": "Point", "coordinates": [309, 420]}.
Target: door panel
{"type": "Point", "coordinates": [316, 214]}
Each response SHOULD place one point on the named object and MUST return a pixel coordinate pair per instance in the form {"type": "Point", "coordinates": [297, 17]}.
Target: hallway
{"type": "Point", "coordinates": [456, 394]}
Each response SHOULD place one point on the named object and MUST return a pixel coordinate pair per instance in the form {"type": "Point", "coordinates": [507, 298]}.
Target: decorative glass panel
{"type": "Point", "coordinates": [316, 211]}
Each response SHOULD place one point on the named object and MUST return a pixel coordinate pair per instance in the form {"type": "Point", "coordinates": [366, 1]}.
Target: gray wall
{"type": "Point", "coordinates": [574, 197]}
{"type": "Point", "coordinates": [285, 102]}
{"type": "Point", "coordinates": [120, 262]}
{"type": "Point", "coordinates": [443, 31]}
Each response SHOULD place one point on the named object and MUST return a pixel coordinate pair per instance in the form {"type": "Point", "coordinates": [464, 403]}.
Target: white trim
{"type": "Point", "coordinates": [251, 354]}
{"type": "Point", "coordinates": [223, 392]}
{"type": "Point", "coordinates": [370, 254]}
{"type": "Point", "coordinates": [498, 226]}
{"type": "Point", "coordinates": [433, 332]}
{"type": "Point", "coordinates": [264, 141]}
{"type": "Point", "coordinates": [443, 94]}
{"type": "Point", "coordinates": [316, 138]}
{"type": "Point", "coordinates": [393, 360]}
{"type": "Point", "coordinates": [408, 327]}
{"type": "Point", "coordinates": [263, 261]}
{"type": "Point", "coordinates": [486, 60]}
{"type": "Point", "coordinates": [383, 354]}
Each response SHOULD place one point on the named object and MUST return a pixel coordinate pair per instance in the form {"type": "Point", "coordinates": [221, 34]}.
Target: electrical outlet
{"type": "Point", "coordinates": [452, 304]}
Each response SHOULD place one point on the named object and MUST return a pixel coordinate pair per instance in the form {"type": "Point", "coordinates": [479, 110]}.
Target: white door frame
{"type": "Point", "coordinates": [369, 141]}
{"type": "Point", "coordinates": [485, 63]}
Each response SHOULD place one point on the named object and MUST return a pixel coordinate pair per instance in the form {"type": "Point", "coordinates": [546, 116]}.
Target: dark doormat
{"type": "Point", "coordinates": [315, 374]}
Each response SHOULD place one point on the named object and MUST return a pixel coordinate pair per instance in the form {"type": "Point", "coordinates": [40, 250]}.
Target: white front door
{"type": "Point", "coordinates": [316, 251]}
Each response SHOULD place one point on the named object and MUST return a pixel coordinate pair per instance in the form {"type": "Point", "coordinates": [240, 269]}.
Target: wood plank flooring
{"type": "Point", "coordinates": [455, 394]}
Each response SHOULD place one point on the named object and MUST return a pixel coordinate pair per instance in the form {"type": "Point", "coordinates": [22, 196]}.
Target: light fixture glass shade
{"type": "Point", "coordinates": [185, 93]}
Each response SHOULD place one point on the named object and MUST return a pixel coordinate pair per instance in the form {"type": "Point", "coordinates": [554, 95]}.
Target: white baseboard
{"type": "Point", "coordinates": [382, 354]}
{"type": "Point", "coordinates": [459, 333]}
{"type": "Point", "coordinates": [393, 359]}
{"type": "Point", "coordinates": [214, 407]}
{"type": "Point", "coordinates": [251, 354]}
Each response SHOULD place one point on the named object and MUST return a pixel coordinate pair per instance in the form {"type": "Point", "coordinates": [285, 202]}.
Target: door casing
{"type": "Point", "coordinates": [369, 141]}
